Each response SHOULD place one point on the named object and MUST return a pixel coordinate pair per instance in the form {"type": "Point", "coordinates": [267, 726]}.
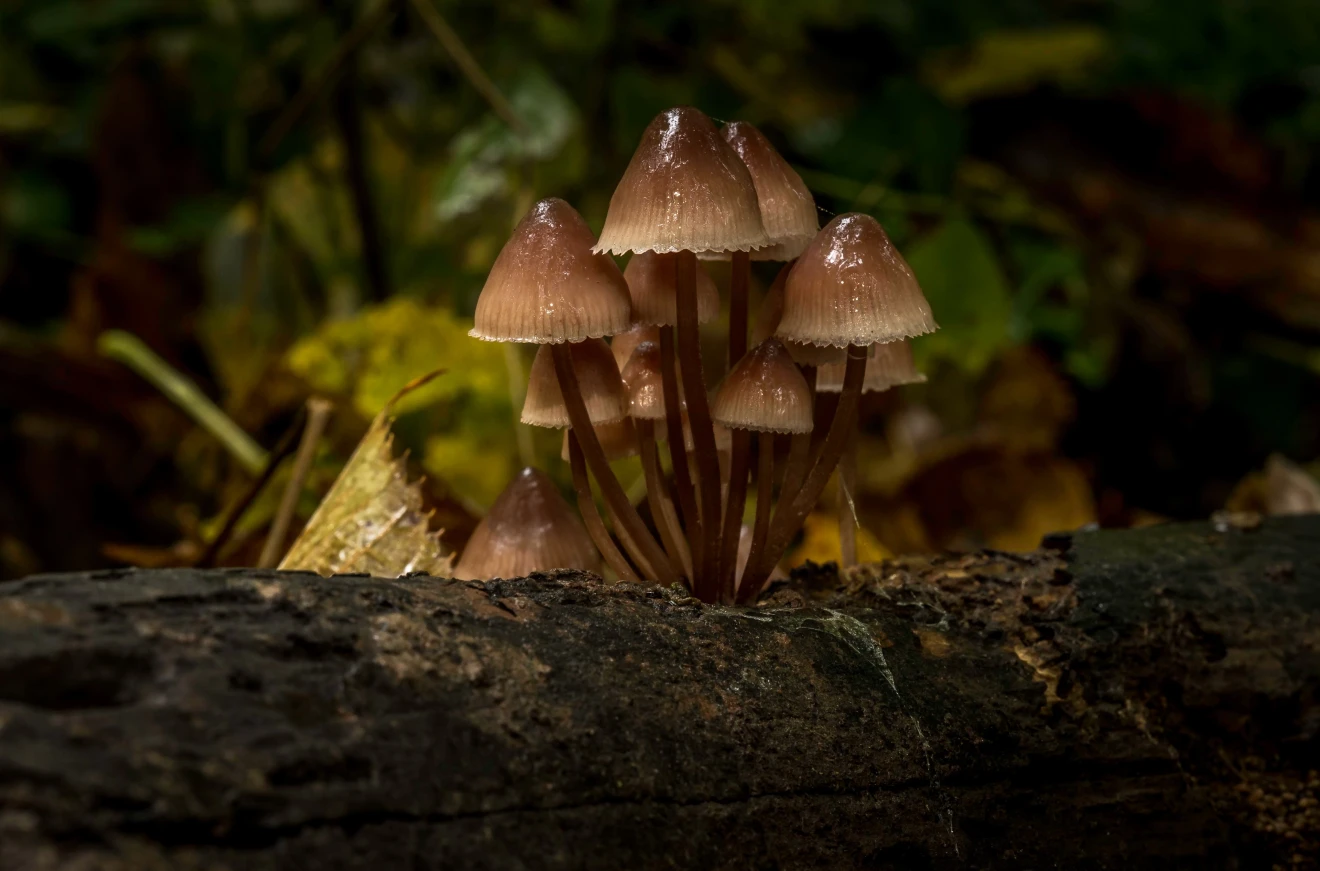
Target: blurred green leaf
{"type": "Point", "coordinates": [961, 276]}
{"type": "Point", "coordinates": [1011, 61]}
{"type": "Point", "coordinates": [34, 204]}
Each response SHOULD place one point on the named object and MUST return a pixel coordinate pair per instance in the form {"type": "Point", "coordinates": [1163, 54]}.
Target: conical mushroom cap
{"type": "Point", "coordinates": [767, 321]}
{"type": "Point", "coordinates": [852, 287]}
{"type": "Point", "coordinates": [530, 528]}
{"type": "Point", "coordinates": [651, 278]}
{"type": "Point", "coordinates": [547, 286]}
{"type": "Point", "coordinates": [644, 378]}
{"type": "Point", "coordinates": [788, 211]}
{"type": "Point", "coordinates": [618, 440]}
{"type": "Point", "coordinates": [598, 378]}
{"type": "Point", "coordinates": [764, 392]}
{"type": "Point", "coordinates": [622, 345]}
{"type": "Point", "coordinates": [887, 365]}
{"type": "Point", "coordinates": [684, 190]}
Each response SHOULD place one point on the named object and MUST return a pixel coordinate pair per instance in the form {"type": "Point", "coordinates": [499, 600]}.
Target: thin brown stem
{"type": "Point", "coordinates": [765, 479]}
{"type": "Point", "coordinates": [591, 514]}
{"type": "Point", "coordinates": [639, 536]}
{"type": "Point", "coordinates": [683, 486]}
{"type": "Point", "coordinates": [799, 450]}
{"type": "Point", "coordinates": [644, 567]}
{"type": "Point", "coordinates": [733, 512]}
{"type": "Point", "coordinates": [318, 414]}
{"type": "Point", "coordinates": [741, 277]}
{"type": "Point", "coordinates": [703, 431]}
{"type": "Point", "coordinates": [847, 504]}
{"type": "Point", "coordinates": [661, 512]}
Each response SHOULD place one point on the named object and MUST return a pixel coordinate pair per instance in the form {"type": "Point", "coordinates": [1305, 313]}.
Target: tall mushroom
{"type": "Point", "coordinates": [887, 365]}
{"type": "Point", "coordinates": [686, 191]}
{"type": "Point", "coordinates": [849, 289]}
{"type": "Point", "coordinates": [530, 528]}
{"type": "Point", "coordinates": [547, 287]}
{"type": "Point", "coordinates": [763, 393]}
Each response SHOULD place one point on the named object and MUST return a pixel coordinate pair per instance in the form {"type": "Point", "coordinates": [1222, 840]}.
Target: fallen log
{"type": "Point", "coordinates": [1136, 699]}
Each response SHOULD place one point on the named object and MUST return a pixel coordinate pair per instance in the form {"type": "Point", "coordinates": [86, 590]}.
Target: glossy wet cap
{"type": "Point", "coordinates": [651, 278]}
{"type": "Point", "coordinates": [597, 376]}
{"type": "Point", "coordinates": [618, 440]}
{"type": "Point", "coordinates": [547, 286]}
{"type": "Point", "coordinates": [644, 378]}
{"type": "Point", "coordinates": [684, 190]}
{"type": "Point", "coordinates": [622, 345]}
{"type": "Point", "coordinates": [530, 528]}
{"type": "Point", "coordinates": [765, 392]}
{"type": "Point", "coordinates": [767, 321]}
{"type": "Point", "coordinates": [887, 365]}
{"type": "Point", "coordinates": [788, 211]}
{"type": "Point", "coordinates": [851, 286]}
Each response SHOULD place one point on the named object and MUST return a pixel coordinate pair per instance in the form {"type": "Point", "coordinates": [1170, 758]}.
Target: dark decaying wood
{"type": "Point", "coordinates": [1142, 699]}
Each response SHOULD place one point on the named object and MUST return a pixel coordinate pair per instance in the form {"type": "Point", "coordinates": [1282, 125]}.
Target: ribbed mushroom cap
{"type": "Point", "coordinates": [887, 365]}
{"type": "Point", "coordinates": [852, 287]}
{"type": "Point", "coordinates": [764, 392]}
{"type": "Point", "coordinates": [597, 376]}
{"type": "Point", "coordinates": [622, 345]}
{"type": "Point", "coordinates": [767, 321]}
{"type": "Point", "coordinates": [788, 211]}
{"type": "Point", "coordinates": [618, 440]}
{"type": "Point", "coordinates": [530, 528]}
{"type": "Point", "coordinates": [650, 278]}
{"type": "Point", "coordinates": [547, 286]}
{"type": "Point", "coordinates": [643, 376]}
{"type": "Point", "coordinates": [684, 190]}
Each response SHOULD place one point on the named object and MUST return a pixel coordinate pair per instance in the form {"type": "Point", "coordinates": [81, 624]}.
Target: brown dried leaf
{"type": "Point", "coordinates": [372, 519]}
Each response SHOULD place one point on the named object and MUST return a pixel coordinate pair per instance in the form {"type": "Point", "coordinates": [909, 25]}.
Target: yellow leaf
{"type": "Point", "coordinates": [820, 542]}
{"type": "Point", "coordinates": [372, 518]}
{"type": "Point", "coordinates": [1011, 61]}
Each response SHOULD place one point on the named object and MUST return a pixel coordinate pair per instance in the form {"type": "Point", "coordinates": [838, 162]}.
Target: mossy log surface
{"type": "Point", "coordinates": [1137, 699]}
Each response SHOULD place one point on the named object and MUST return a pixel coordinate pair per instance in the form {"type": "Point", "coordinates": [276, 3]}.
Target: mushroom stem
{"type": "Point", "coordinates": [765, 479]}
{"type": "Point", "coordinates": [638, 535]}
{"type": "Point", "coordinates": [661, 511]}
{"type": "Point", "coordinates": [799, 450]}
{"type": "Point", "coordinates": [739, 279]}
{"type": "Point", "coordinates": [847, 506]}
{"type": "Point", "coordinates": [644, 567]}
{"type": "Point", "coordinates": [703, 431]}
{"type": "Point", "coordinates": [591, 515]}
{"type": "Point", "coordinates": [793, 508]}
{"type": "Point", "coordinates": [733, 513]}
{"type": "Point", "coordinates": [686, 494]}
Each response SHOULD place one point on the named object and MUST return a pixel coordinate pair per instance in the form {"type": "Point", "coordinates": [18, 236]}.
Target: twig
{"type": "Point", "coordinates": [313, 89]}
{"type": "Point", "coordinates": [133, 352]}
{"type": "Point", "coordinates": [348, 118]}
{"type": "Point", "coordinates": [239, 508]}
{"type": "Point", "coordinates": [318, 413]}
{"type": "Point", "coordinates": [467, 64]}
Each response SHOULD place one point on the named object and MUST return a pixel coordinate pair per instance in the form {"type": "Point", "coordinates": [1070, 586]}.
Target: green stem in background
{"type": "Point", "coordinates": [318, 415]}
{"type": "Point", "coordinates": [133, 353]}
{"type": "Point", "coordinates": [466, 63]}
{"type": "Point", "coordinates": [517, 394]}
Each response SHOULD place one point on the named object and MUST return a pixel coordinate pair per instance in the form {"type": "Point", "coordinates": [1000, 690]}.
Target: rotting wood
{"type": "Point", "coordinates": [1138, 699]}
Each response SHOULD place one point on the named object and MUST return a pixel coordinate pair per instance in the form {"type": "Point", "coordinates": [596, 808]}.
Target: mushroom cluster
{"type": "Point", "coordinates": [836, 319]}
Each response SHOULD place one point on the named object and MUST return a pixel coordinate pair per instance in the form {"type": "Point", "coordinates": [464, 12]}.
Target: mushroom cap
{"type": "Point", "coordinates": [598, 379]}
{"type": "Point", "coordinates": [765, 392]}
{"type": "Point", "coordinates": [651, 280]}
{"type": "Point", "coordinates": [530, 528]}
{"type": "Point", "coordinates": [788, 211]}
{"type": "Point", "coordinates": [623, 344]}
{"type": "Point", "coordinates": [644, 379]}
{"type": "Point", "coordinates": [852, 287]}
{"type": "Point", "coordinates": [887, 365]}
{"type": "Point", "coordinates": [684, 190]}
{"type": "Point", "coordinates": [547, 286]}
{"type": "Point", "coordinates": [767, 321]}
{"type": "Point", "coordinates": [618, 440]}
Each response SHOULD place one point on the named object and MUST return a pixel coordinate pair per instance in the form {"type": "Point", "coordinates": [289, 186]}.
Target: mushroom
{"type": "Point", "coordinates": [651, 278]}
{"type": "Point", "coordinates": [763, 393]}
{"type": "Point", "coordinates": [530, 528]}
{"type": "Point", "coordinates": [686, 191]}
{"type": "Point", "coordinates": [547, 287]}
{"type": "Point", "coordinates": [850, 288]}
{"type": "Point", "coordinates": [622, 344]}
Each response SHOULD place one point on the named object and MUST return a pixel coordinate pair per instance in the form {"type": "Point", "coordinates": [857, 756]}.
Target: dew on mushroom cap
{"type": "Point", "coordinates": [765, 392]}
{"type": "Point", "coordinates": [622, 344]}
{"type": "Point", "coordinates": [547, 286]}
{"type": "Point", "coordinates": [530, 528]}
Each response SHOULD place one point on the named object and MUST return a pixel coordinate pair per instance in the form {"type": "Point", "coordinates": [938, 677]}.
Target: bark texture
{"type": "Point", "coordinates": [1141, 699]}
